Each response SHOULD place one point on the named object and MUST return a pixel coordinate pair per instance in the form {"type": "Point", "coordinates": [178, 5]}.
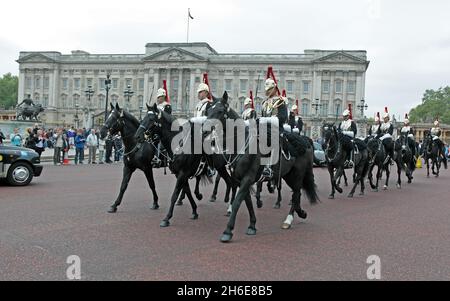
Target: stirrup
{"type": "Point", "coordinates": [267, 173]}
{"type": "Point", "coordinates": [348, 164]}
{"type": "Point", "coordinates": [210, 172]}
{"type": "Point", "coordinates": [387, 160]}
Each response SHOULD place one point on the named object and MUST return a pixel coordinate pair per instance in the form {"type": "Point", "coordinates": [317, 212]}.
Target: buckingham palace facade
{"type": "Point", "coordinates": [323, 81]}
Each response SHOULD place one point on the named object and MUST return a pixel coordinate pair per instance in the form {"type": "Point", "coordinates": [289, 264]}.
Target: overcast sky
{"type": "Point", "coordinates": [407, 42]}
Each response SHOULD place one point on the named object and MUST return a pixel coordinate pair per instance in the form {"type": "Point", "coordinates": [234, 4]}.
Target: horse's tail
{"type": "Point", "coordinates": [309, 186]}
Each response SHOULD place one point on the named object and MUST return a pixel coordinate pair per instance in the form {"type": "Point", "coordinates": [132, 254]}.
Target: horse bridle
{"type": "Point", "coordinates": [119, 122]}
{"type": "Point", "coordinates": [148, 131]}
{"type": "Point", "coordinates": [328, 146]}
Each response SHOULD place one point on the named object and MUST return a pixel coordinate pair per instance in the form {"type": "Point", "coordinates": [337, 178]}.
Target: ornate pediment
{"type": "Point", "coordinates": [340, 57]}
{"type": "Point", "coordinates": [174, 54]}
{"type": "Point", "coordinates": [35, 58]}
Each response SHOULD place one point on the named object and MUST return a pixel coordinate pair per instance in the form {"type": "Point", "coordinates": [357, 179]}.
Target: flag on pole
{"type": "Point", "coordinates": [189, 13]}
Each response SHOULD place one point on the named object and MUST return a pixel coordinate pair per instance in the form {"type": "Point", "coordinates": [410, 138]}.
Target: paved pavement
{"type": "Point", "coordinates": [63, 213]}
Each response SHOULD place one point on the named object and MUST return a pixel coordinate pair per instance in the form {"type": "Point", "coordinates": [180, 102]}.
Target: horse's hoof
{"type": "Point", "coordinates": [385, 187]}
{"type": "Point", "coordinates": [285, 226]}
{"type": "Point", "coordinates": [213, 199]}
{"type": "Point", "coordinates": [302, 214]}
{"type": "Point", "coordinates": [226, 237]}
{"type": "Point", "coordinates": [350, 195]}
{"type": "Point", "coordinates": [361, 193]}
{"type": "Point", "coordinates": [194, 216]}
{"type": "Point", "coordinates": [339, 189]}
{"type": "Point", "coordinates": [112, 210]}
{"type": "Point", "coordinates": [199, 197]}
{"type": "Point", "coordinates": [409, 181]}
{"type": "Point", "coordinates": [346, 184]}
{"type": "Point", "coordinates": [228, 214]}
{"type": "Point", "coordinates": [276, 206]}
{"type": "Point", "coordinates": [164, 224]}
{"type": "Point", "coordinates": [155, 207]}
{"type": "Point", "coordinates": [251, 231]}
{"type": "Point", "coordinates": [259, 204]}
{"type": "Point", "coordinates": [179, 203]}
{"type": "Point", "coordinates": [331, 197]}
{"type": "Point", "coordinates": [399, 186]}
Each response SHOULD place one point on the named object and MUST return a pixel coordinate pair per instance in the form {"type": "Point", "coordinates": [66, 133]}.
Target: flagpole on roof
{"type": "Point", "coordinates": [189, 17]}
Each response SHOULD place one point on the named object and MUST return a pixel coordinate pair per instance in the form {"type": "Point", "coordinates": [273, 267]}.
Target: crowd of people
{"type": "Point", "coordinates": [61, 140]}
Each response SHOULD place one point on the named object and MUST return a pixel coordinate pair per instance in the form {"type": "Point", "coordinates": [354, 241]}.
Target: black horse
{"type": "Point", "coordinates": [246, 169]}
{"type": "Point", "coordinates": [404, 159]}
{"type": "Point", "coordinates": [136, 155]}
{"type": "Point", "coordinates": [186, 164]}
{"type": "Point", "coordinates": [431, 152]}
{"type": "Point", "coordinates": [377, 157]}
{"type": "Point", "coordinates": [335, 155]}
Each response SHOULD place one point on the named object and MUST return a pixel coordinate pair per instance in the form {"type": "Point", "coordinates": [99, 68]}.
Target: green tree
{"type": "Point", "coordinates": [434, 104]}
{"type": "Point", "coordinates": [9, 85]}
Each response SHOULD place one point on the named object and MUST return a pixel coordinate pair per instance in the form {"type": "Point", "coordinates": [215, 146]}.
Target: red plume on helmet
{"type": "Point", "coordinates": [165, 89]}
{"type": "Point", "coordinates": [251, 97]}
{"type": "Point", "coordinates": [284, 93]}
{"type": "Point", "coordinates": [386, 110]}
{"type": "Point", "coordinates": [270, 74]}
{"type": "Point", "coordinates": [350, 109]}
{"type": "Point", "coordinates": [206, 81]}
{"type": "Point", "coordinates": [378, 115]}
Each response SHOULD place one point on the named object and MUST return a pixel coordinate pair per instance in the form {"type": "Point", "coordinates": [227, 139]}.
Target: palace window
{"type": "Point", "coordinates": [65, 83]}
{"type": "Point", "coordinates": [46, 82]}
{"type": "Point", "coordinates": [351, 86]}
{"type": "Point", "coordinates": [228, 85]}
{"type": "Point", "coordinates": [324, 109]}
{"type": "Point", "coordinates": [76, 83]}
{"type": "Point", "coordinates": [115, 83]}
{"type": "Point", "coordinates": [338, 86]}
{"type": "Point", "coordinates": [38, 83]}
{"type": "Point", "coordinates": [326, 86]}
{"type": "Point", "coordinates": [243, 84]}
{"type": "Point", "coordinates": [305, 87]}
{"type": "Point", "coordinates": [28, 82]}
{"type": "Point", "coordinates": [305, 108]}
{"type": "Point", "coordinates": [213, 83]}
{"type": "Point", "coordinates": [290, 86]}
{"type": "Point", "coordinates": [141, 84]}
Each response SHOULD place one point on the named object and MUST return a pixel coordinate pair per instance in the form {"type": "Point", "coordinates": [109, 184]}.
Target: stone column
{"type": "Point", "coordinates": [146, 88]}
{"type": "Point", "coordinates": [180, 102]}
{"type": "Point", "coordinates": [155, 84]}
{"type": "Point", "coordinates": [190, 105]}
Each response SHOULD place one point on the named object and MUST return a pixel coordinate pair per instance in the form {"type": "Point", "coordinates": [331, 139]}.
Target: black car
{"type": "Point", "coordinates": [319, 155]}
{"type": "Point", "coordinates": [18, 165]}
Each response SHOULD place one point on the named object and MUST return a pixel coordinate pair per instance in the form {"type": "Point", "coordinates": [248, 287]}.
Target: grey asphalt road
{"type": "Point", "coordinates": [63, 213]}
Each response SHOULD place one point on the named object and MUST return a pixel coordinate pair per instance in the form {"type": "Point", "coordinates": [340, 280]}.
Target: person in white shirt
{"type": "Point", "coordinates": [375, 128]}
{"type": "Point", "coordinates": [92, 142]}
{"type": "Point", "coordinates": [203, 97]}
{"type": "Point", "coordinates": [249, 112]}
{"type": "Point", "coordinates": [436, 134]}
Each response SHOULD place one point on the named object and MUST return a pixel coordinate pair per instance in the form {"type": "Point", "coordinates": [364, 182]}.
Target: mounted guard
{"type": "Point", "coordinates": [348, 131]}
{"type": "Point", "coordinates": [410, 133]}
{"type": "Point", "coordinates": [274, 105]}
{"type": "Point", "coordinates": [385, 135]}
{"type": "Point", "coordinates": [163, 104]}
{"type": "Point", "coordinates": [249, 108]}
{"type": "Point", "coordinates": [436, 134]}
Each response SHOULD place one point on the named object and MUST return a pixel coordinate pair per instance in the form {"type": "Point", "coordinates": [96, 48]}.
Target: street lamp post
{"type": "Point", "coordinates": [362, 106]}
{"type": "Point", "coordinates": [76, 116]}
{"type": "Point", "coordinates": [89, 93]}
{"type": "Point", "coordinates": [128, 93]}
{"type": "Point", "coordinates": [317, 105]}
{"type": "Point", "coordinates": [107, 87]}
{"type": "Point", "coordinates": [141, 107]}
